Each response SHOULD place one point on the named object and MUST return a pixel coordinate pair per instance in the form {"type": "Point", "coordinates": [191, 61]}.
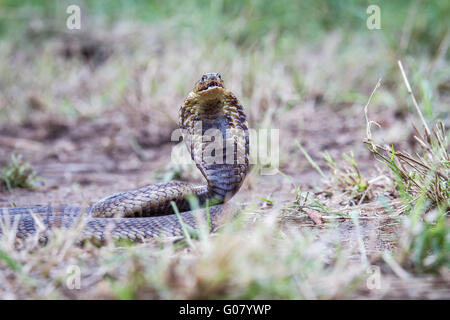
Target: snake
{"type": "Point", "coordinates": [213, 125]}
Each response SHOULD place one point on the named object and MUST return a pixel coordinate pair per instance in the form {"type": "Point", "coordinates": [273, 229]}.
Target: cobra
{"type": "Point", "coordinates": [148, 212]}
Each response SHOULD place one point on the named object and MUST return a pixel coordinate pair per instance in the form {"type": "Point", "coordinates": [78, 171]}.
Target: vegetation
{"type": "Point", "coordinates": [18, 174]}
{"type": "Point", "coordinates": [422, 183]}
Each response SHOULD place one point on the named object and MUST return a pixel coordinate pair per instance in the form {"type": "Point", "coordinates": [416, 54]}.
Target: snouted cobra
{"type": "Point", "coordinates": [214, 127]}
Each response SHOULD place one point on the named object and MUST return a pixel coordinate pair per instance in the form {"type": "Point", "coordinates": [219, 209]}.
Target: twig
{"type": "Point", "coordinates": [368, 132]}
{"type": "Point", "coordinates": [348, 218]}
{"type": "Point", "coordinates": [408, 87]}
{"type": "Point", "coordinates": [315, 216]}
{"type": "Point", "coordinates": [409, 160]}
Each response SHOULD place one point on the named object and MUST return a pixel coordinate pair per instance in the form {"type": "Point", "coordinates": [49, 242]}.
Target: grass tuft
{"type": "Point", "coordinates": [422, 183]}
{"type": "Point", "coordinates": [18, 174]}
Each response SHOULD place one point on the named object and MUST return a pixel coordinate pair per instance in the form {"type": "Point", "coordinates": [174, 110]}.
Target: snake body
{"type": "Point", "coordinates": [214, 128]}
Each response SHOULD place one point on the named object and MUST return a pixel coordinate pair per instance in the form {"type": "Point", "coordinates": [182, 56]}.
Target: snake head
{"type": "Point", "coordinates": [209, 86]}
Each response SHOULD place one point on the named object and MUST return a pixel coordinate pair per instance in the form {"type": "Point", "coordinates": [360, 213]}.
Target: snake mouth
{"type": "Point", "coordinates": [210, 85]}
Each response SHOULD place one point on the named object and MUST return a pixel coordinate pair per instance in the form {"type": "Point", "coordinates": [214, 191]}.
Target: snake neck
{"type": "Point", "coordinates": [216, 134]}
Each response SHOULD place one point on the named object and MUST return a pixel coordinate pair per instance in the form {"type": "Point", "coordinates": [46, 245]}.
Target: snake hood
{"type": "Point", "coordinates": [216, 134]}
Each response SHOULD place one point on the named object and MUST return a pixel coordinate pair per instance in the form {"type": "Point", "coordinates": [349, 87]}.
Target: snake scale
{"type": "Point", "coordinates": [214, 128]}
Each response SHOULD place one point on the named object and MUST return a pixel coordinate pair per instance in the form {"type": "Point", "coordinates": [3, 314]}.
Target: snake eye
{"type": "Point", "coordinates": [203, 77]}
{"type": "Point", "coordinates": [218, 75]}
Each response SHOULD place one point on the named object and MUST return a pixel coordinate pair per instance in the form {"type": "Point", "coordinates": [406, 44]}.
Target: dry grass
{"type": "Point", "coordinates": [422, 184]}
{"type": "Point", "coordinates": [233, 264]}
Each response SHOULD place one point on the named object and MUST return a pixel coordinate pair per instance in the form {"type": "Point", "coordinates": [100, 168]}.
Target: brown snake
{"type": "Point", "coordinates": [215, 131]}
